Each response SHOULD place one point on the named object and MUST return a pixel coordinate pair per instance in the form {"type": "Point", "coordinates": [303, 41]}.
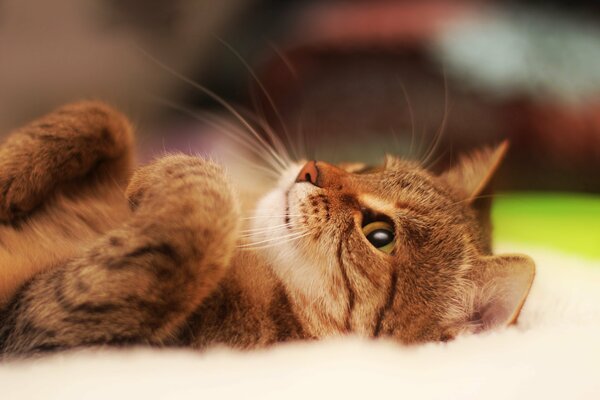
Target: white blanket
{"type": "Point", "coordinates": [554, 352]}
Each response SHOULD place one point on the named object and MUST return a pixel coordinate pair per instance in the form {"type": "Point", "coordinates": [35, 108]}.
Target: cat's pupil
{"type": "Point", "coordinates": [380, 237]}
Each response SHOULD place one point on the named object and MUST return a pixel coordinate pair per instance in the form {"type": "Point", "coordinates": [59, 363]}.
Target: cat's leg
{"type": "Point", "coordinates": [140, 282]}
{"type": "Point", "coordinates": [69, 143]}
{"type": "Point", "coordinates": [62, 180]}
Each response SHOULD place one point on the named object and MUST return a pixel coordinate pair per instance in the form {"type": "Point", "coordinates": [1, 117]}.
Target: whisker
{"type": "Point", "coordinates": [411, 116]}
{"type": "Point", "coordinates": [272, 216]}
{"type": "Point", "coordinates": [442, 128]}
{"type": "Point", "coordinates": [284, 58]}
{"type": "Point", "coordinates": [435, 161]}
{"type": "Point", "coordinates": [241, 139]}
{"type": "Point", "coordinates": [265, 246]}
{"type": "Point", "coordinates": [260, 150]}
{"type": "Point", "coordinates": [261, 120]}
{"type": "Point", "coordinates": [276, 140]}
{"type": "Point", "coordinates": [397, 142]}
{"type": "Point", "coordinates": [310, 142]}
{"type": "Point", "coordinates": [300, 229]}
{"type": "Point", "coordinates": [219, 100]}
{"type": "Point", "coordinates": [268, 228]}
{"type": "Point", "coordinates": [275, 239]}
{"type": "Point", "coordinates": [300, 136]}
{"type": "Point", "coordinates": [253, 165]}
{"type": "Point", "coordinates": [227, 130]}
{"type": "Point", "coordinates": [252, 234]}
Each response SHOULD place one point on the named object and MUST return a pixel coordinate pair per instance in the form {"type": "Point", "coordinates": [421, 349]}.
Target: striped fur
{"type": "Point", "coordinates": [92, 255]}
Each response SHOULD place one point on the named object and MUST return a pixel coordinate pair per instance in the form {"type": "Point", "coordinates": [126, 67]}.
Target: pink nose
{"type": "Point", "coordinates": [309, 173]}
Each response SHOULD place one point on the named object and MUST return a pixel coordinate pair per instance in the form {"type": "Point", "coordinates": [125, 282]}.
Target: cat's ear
{"type": "Point", "coordinates": [501, 286]}
{"type": "Point", "coordinates": [473, 172]}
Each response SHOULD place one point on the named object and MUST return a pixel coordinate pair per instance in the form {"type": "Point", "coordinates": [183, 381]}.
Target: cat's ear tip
{"type": "Point", "coordinates": [502, 147]}
{"type": "Point", "coordinates": [521, 262]}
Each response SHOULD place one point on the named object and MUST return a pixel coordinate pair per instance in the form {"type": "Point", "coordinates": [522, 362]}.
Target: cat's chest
{"type": "Point", "coordinates": [249, 309]}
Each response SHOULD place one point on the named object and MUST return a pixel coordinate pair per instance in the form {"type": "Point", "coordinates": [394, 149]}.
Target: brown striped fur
{"type": "Point", "coordinates": [93, 255]}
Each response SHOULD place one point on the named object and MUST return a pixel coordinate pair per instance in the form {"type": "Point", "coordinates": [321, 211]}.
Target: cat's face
{"type": "Point", "coordinates": [390, 250]}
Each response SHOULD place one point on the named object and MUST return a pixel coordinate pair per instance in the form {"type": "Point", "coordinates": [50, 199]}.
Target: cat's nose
{"type": "Point", "coordinates": [321, 174]}
{"type": "Point", "coordinates": [309, 173]}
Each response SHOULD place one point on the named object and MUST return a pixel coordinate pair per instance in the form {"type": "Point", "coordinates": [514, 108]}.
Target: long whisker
{"type": "Point", "coordinates": [300, 136]}
{"type": "Point", "coordinates": [272, 216]}
{"type": "Point", "coordinates": [264, 90]}
{"type": "Point", "coordinates": [442, 128]}
{"type": "Point", "coordinates": [252, 234]}
{"type": "Point", "coordinates": [397, 142]}
{"type": "Point", "coordinates": [268, 228]}
{"type": "Point", "coordinates": [241, 139]}
{"type": "Point", "coordinates": [267, 246]}
{"type": "Point", "coordinates": [300, 141]}
{"type": "Point", "coordinates": [271, 173]}
{"type": "Point", "coordinates": [310, 142]}
{"type": "Point", "coordinates": [284, 58]}
{"type": "Point", "coordinates": [259, 118]}
{"type": "Point", "coordinates": [264, 246]}
{"type": "Point", "coordinates": [219, 100]}
{"type": "Point", "coordinates": [275, 239]}
{"type": "Point", "coordinates": [435, 160]}
{"type": "Point", "coordinates": [249, 142]}
{"type": "Point", "coordinates": [411, 116]}
{"type": "Point", "coordinates": [300, 229]}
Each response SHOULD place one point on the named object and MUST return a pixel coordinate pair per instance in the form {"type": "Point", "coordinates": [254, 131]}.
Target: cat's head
{"type": "Point", "coordinates": [392, 250]}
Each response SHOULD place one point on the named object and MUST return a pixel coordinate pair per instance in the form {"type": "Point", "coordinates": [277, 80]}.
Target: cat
{"type": "Point", "coordinates": [95, 253]}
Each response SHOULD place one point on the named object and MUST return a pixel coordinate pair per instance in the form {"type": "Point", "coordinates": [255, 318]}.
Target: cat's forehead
{"type": "Point", "coordinates": [392, 177]}
{"type": "Point", "coordinates": [389, 167]}
{"type": "Point", "coordinates": [398, 184]}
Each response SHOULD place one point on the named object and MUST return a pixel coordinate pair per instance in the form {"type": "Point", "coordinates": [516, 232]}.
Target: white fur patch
{"type": "Point", "coordinates": [284, 246]}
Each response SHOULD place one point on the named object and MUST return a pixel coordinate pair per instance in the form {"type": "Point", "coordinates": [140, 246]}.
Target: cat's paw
{"type": "Point", "coordinates": [64, 145]}
{"type": "Point", "coordinates": [178, 176]}
{"type": "Point", "coordinates": [16, 197]}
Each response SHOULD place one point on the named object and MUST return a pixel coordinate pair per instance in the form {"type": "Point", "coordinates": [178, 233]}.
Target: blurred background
{"type": "Point", "coordinates": [340, 80]}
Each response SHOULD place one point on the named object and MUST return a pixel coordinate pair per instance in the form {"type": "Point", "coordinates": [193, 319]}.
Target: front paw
{"type": "Point", "coordinates": [181, 177]}
{"type": "Point", "coordinates": [17, 199]}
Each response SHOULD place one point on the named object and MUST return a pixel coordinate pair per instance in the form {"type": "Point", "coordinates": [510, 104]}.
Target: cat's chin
{"type": "Point", "coordinates": [276, 213]}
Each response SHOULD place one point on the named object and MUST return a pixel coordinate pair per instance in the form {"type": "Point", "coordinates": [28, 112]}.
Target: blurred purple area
{"type": "Point", "coordinates": [350, 79]}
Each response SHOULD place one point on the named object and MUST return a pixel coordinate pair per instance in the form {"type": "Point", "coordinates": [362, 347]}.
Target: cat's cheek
{"type": "Point", "coordinates": [273, 204]}
{"type": "Point", "coordinates": [269, 215]}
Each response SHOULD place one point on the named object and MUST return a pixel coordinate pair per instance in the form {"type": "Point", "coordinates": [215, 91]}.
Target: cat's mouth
{"type": "Point", "coordinates": [286, 218]}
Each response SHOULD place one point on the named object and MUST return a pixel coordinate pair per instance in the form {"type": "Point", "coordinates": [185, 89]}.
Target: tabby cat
{"type": "Point", "coordinates": [93, 254]}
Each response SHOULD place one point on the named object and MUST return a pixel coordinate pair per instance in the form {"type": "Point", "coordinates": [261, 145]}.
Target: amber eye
{"type": "Point", "coordinates": [381, 235]}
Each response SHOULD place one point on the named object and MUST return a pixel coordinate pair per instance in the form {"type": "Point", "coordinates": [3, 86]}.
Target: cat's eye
{"type": "Point", "coordinates": [380, 234]}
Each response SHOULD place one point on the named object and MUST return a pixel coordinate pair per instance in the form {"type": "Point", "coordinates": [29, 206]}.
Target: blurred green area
{"type": "Point", "coordinates": [565, 222]}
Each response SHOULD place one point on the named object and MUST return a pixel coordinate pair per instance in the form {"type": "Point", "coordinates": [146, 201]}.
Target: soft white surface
{"type": "Point", "coordinates": [553, 353]}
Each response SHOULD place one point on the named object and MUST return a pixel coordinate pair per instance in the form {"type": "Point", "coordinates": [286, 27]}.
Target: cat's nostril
{"type": "Point", "coordinates": [309, 173]}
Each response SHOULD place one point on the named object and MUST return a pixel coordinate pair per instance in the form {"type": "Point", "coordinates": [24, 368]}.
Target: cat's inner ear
{"type": "Point", "coordinates": [501, 286]}
{"type": "Point", "coordinates": [473, 172]}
